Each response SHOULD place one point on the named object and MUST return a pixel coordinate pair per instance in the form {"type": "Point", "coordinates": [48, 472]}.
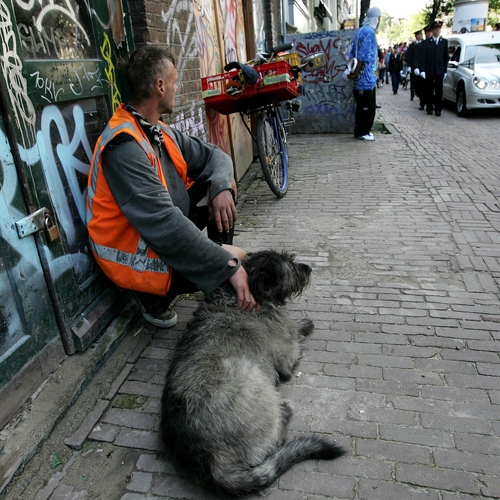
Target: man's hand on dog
{"type": "Point", "coordinates": [223, 211]}
{"type": "Point", "coordinates": [239, 281]}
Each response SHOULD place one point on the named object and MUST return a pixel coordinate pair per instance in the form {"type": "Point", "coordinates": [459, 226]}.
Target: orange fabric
{"type": "Point", "coordinates": [107, 225]}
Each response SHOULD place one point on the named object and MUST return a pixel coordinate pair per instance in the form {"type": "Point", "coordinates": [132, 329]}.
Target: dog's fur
{"type": "Point", "coordinates": [223, 420]}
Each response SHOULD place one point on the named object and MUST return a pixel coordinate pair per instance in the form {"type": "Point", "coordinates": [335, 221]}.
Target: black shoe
{"type": "Point", "coordinates": [438, 113]}
{"type": "Point", "coordinates": [429, 112]}
{"type": "Point", "coordinates": [411, 98]}
{"type": "Point", "coordinates": [378, 107]}
{"type": "Point", "coordinates": [421, 108]}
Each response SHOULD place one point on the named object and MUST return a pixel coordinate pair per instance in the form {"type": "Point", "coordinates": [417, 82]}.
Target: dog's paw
{"type": "Point", "coordinates": [280, 377]}
{"type": "Point", "coordinates": [306, 327]}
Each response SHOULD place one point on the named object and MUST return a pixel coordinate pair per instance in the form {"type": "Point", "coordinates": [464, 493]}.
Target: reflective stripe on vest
{"type": "Point", "coordinates": [138, 262]}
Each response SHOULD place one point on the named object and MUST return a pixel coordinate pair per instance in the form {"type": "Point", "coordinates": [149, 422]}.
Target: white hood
{"type": "Point", "coordinates": [488, 71]}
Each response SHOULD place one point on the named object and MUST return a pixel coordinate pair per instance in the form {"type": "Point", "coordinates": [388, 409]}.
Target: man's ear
{"type": "Point", "coordinates": [159, 86]}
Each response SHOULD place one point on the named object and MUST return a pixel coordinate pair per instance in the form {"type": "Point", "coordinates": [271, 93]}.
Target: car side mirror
{"type": "Point", "coordinates": [453, 64]}
{"type": "Point", "coordinates": [313, 62]}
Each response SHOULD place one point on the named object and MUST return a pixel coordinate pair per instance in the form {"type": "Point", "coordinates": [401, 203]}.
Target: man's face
{"type": "Point", "coordinates": [436, 32]}
{"type": "Point", "coordinates": [169, 88]}
{"type": "Point", "coordinates": [418, 37]}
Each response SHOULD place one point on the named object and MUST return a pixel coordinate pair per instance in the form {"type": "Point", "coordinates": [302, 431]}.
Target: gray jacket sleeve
{"type": "Point", "coordinates": [206, 162]}
{"type": "Point", "coordinates": [148, 207]}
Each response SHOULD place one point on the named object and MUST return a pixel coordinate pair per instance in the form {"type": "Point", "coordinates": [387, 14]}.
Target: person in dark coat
{"type": "Point", "coordinates": [412, 56]}
{"type": "Point", "coordinates": [395, 67]}
{"type": "Point", "coordinates": [434, 67]}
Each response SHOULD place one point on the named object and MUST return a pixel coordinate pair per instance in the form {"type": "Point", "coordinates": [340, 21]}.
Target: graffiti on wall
{"type": "Point", "coordinates": [58, 136]}
{"type": "Point", "coordinates": [328, 103]}
{"type": "Point", "coordinates": [190, 120]}
{"type": "Point", "coordinates": [181, 32]}
{"type": "Point", "coordinates": [11, 65]}
{"type": "Point", "coordinates": [181, 35]}
{"type": "Point", "coordinates": [65, 138]}
{"type": "Point", "coordinates": [210, 64]}
{"type": "Point", "coordinates": [55, 29]}
{"type": "Point", "coordinates": [106, 52]}
{"type": "Point", "coordinates": [11, 327]}
{"type": "Point", "coordinates": [232, 31]}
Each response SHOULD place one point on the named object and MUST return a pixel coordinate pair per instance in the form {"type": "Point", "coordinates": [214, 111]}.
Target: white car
{"type": "Point", "coordinates": [473, 80]}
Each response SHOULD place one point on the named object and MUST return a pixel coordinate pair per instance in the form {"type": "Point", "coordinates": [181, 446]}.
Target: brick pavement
{"type": "Point", "coordinates": [403, 368]}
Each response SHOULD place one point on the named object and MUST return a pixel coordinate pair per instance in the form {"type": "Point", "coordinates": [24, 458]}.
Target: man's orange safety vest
{"type": "Point", "coordinates": [117, 246]}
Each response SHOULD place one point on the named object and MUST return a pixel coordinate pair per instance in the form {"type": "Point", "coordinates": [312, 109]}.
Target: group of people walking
{"type": "Point", "coordinates": [427, 62]}
{"type": "Point", "coordinates": [424, 62]}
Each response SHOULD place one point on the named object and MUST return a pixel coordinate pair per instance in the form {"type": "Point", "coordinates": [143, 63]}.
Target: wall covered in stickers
{"type": "Point", "coordinates": [328, 104]}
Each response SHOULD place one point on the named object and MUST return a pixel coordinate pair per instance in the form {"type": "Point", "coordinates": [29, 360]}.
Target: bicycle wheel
{"type": "Point", "coordinates": [273, 151]}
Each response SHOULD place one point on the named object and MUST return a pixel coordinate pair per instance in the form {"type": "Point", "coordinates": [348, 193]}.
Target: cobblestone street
{"type": "Point", "coordinates": [403, 368]}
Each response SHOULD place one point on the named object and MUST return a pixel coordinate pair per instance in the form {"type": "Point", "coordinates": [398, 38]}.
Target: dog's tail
{"type": "Point", "coordinates": [256, 479]}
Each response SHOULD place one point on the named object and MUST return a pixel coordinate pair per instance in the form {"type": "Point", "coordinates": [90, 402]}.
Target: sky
{"type": "Point", "coordinates": [399, 8]}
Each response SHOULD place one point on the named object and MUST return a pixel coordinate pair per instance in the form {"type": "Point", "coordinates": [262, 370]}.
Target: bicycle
{"type": "Point", "coordinates": [267, 86]}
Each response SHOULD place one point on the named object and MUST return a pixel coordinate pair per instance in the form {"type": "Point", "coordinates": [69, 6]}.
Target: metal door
{"type": "Point", "coordinates": [27, 321]}
{"type": "Point", "coordinates": [59, 85]}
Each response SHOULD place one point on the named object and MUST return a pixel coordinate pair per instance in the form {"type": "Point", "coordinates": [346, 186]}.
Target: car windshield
{"type": "Point", "coordinates": [485, 54]}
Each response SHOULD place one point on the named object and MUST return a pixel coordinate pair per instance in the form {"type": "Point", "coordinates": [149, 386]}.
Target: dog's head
{"type": "Point", "coordinates": [275, 277]}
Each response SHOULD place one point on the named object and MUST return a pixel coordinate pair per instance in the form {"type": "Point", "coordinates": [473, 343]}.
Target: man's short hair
{"type": "Point", "coordinates": [144, 66]}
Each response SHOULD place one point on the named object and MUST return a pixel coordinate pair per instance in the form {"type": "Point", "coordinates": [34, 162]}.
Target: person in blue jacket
{"type": "Point", "coordinates": [365, 49]}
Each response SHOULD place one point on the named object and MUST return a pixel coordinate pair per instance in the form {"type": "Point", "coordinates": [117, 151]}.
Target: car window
{"type": "Point", "coordinates": [485, 54]}
{"type": "Point", "coordinates": [455, 53]}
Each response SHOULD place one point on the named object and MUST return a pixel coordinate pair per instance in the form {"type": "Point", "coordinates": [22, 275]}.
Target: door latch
{"type": "Point", "coordinates": [41, 220]}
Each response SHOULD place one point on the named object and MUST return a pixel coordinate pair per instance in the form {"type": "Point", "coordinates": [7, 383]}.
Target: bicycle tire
{"type": "Point", "coordinates": [273, 151]}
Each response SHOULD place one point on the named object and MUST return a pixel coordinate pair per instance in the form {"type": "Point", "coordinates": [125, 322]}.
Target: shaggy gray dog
{"type": "Point", "coordinates": [223, 420]}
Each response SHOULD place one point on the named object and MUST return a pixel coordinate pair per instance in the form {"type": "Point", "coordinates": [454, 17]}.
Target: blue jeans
{"type": "Point", "coordinates": [396, 80]}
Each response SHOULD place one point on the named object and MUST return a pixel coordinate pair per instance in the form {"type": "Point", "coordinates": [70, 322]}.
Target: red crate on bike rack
{"type": "Point", "coordinates": [276, 82]}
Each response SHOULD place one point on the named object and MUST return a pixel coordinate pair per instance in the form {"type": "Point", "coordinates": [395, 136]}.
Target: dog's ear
{"type": "Point", "coordinates": [265, 287]}
{"type": "Point", "coordinates": [259, 281]}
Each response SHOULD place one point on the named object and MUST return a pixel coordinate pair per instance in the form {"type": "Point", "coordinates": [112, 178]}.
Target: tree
{"type": "Point", "coordinates": [494, 12]}
{"type": "Point", "coordinates": [392, 30]}
{"type": "Point", "coordinates": [438, 9]}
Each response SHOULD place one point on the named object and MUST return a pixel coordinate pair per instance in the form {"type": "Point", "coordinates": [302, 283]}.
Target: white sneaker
{"type": "Point", "coordinates": [166, 320]}
{"type": "Point", "coordinates": [367, 137]}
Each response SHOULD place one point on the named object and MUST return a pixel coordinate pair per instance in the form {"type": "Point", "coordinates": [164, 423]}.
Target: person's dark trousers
{"type": "Point", "coordinates": [365, 111]}
{"type": "Point", "coordinates": [158, 304]}
{"type": "Point", "coordinates": [434, 94]}
{"type": "Point", "coordinates": [414, 91]}
{"type": "Point", "coordinates": [396, 80]}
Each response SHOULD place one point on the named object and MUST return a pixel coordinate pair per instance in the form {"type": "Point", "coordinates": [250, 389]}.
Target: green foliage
{"type": "Point", "coordinates": [494, 12]}
{"type": "Point", "coordinates": [392, 30]}
{"type": "Point", "coordinates": [438, 9]}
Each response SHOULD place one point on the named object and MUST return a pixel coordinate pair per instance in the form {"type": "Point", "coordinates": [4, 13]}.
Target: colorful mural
{"type": "Point", "coordinates": [328, 104]}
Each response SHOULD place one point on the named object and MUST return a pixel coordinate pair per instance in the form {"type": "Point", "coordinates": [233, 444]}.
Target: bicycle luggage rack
{"type": "Point", "coordinates": [276, 82]}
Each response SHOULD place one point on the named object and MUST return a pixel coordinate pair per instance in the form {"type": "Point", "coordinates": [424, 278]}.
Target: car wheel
{"type": "Point", "coordinates": [461, 102]}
